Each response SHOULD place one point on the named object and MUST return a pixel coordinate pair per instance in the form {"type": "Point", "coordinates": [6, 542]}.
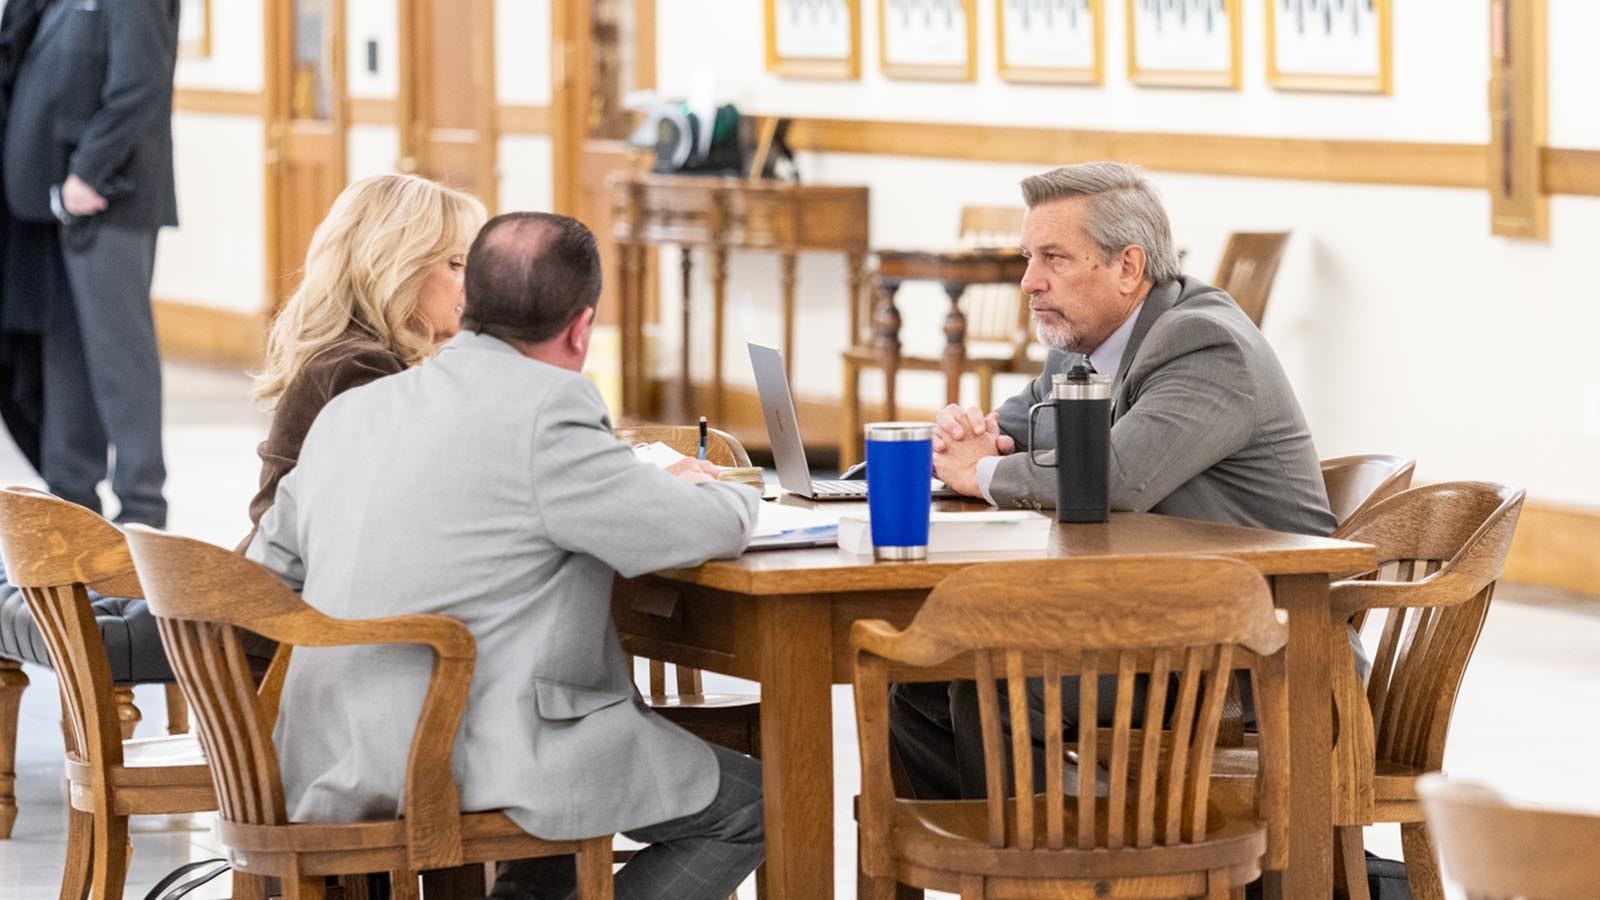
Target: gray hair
{"type": "Point", "coordinates": [1123, 209]}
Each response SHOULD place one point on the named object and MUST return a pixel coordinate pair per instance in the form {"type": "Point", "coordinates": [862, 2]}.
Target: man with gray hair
{"type": "Point", "coordinates": [1204, 422]}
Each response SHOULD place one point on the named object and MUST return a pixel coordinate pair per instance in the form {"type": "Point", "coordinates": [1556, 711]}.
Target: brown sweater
{"type": "Point", "coordinates": [352, 361]}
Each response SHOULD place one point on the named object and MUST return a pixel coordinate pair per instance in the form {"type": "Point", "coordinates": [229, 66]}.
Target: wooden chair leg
{"type": "Point", "coordinates": [402, 886]}
{"type": "Point", "coordinates": [594, 869]}
{"type": "Point", "coordinates": [1352, 853]}
{"type": "Point", "coordinates": [869, 888]}
{"type": "Point", "coordinates": [249, 887]}
{"type": "Point", "coordinates": [80, 855]}
{"type": "Point", "coordinates": [850, 423]}
{"type": "Point", "coordinates": [1218, 886]}
{"type": "Point", "coordinates": [1422, 864]}
{"type": "Point", "coordinates": [177, 711]}
{"type": "Point", "coordinates": [303, 887]}
{"type": "Point", "coordinates": [110, 853]}
{"type": "Point", "coordinates": [12, 682]}
{"type": "Point", "coordinates": [128, 715]}
{"type": "Point", "coordinates": [355, 887]}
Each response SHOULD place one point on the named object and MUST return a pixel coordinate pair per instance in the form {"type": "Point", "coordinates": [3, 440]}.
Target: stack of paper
{"type": "Point", "coordinates": [780, 525]}
{"type": "Point", "coordinates": [660, 454]}
{"type": "Point", "coordinates": [961, 532]}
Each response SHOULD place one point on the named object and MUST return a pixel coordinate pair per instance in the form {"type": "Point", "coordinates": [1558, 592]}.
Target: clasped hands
{"type": "Point", "coordinates": [961, 437]}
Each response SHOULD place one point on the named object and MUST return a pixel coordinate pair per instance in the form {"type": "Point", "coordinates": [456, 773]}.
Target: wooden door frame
{"type": "Point", "coordinates": [278, 31]}
{"type": "Point", "coordinates": [570, 76]}
{"type": "Point", "coordinates": [416, 68]}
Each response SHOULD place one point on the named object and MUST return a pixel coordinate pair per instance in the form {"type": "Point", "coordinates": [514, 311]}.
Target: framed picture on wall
{"type": "Point", "coordinates": [1184, 43]}
{"type": "Point", "coordinates": [928, 39]}
{"type": "Point", "coordinates": [1051, 41]}
{"type": "Point", "coordinates": [1329, 45]}
{"type": "Point", "coordinates": [814, 38]}
{"type": "Point", "coordinates": [194, 29]}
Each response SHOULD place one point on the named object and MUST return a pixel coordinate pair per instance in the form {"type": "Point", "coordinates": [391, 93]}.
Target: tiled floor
{"type": "Point", "coordinates": [1525, 723]}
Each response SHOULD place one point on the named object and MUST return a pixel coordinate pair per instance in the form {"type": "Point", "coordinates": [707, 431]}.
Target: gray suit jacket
{"type": "Point", "coordinates": [93, 98]}
{"type": "Point", "coordinates": [487, 487]}
{"type": "Point", "coordinates": [1204, 423]}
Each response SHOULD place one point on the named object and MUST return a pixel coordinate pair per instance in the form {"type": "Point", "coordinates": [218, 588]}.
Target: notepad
{"type": "Point", "coordinates": [659, 454]}
{"type": "Point", "coordinates": [960, 532]}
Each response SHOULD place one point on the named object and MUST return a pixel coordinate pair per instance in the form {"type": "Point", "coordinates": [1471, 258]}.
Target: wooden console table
{"type": "Point", "coordinates": [722, 214]}
{"type": "Point", "coordinates": [955, 270]}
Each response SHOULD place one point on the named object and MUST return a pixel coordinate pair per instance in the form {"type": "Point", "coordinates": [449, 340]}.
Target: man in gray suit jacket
{"type": "Point", "coordinates": [486, 485]}
{"type": "Point", "coordinates": [87, 163]}
{"type": "Point", "coordinates": [1204, 422]}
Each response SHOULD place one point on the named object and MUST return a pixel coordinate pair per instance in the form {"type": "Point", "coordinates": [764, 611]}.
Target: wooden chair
{"type": "Point", "coordinates": [1354, 483]}
{"type": "Point", "coordinates": [731, 720]}
{"type": "Point", "coordinates": [203, 596]}
{"type": "Point", "coordinates": [1441, 549]}
{"type": "Point", "coordinates": [1155, 829]}
{"type": "Point", "coordinates": [1249, 266]}
{"type": "Point", "coordinates": [55, 552]}
{"type": "Point", "coordinates": [1498, 850]}
{"type": "Point", "coordinates": [999, 332]}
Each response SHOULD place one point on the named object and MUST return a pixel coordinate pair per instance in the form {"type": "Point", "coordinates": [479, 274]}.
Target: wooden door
{"type": "Point", "coordinates": [447, 94]}
{"type": "Point", "coordinates": [306, 110]}
{"type": "Point", "coordinates": [605, 49]}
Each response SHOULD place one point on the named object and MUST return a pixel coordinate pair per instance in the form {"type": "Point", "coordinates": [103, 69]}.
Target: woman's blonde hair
{"type": "Point", "coordinates": [364, 268]}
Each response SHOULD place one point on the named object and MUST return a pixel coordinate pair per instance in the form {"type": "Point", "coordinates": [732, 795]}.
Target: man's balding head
{"type": "Point", "coordinates": [529, 275]}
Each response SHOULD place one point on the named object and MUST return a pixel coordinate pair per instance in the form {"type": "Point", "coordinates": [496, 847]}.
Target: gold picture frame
{"type": "Point", "coordinates": [194, 29]}
{"type": "Point", "coordinates": [1320, 69]}
{"type": "Point", "coordinates": [935, 63]}
{"type": "Point", "coordinates": [1034, 65]}
{"type": "Point", "coordinates": [1141, 13]}
{"type": "Point", "coordinates": [814, 38]}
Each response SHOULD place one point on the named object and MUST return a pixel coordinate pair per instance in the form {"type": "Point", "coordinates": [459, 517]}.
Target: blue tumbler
{"type": "Point", "coordinates": [899, 487]}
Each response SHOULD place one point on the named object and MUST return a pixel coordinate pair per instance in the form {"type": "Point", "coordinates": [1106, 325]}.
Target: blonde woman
{"type": "Point", "coordinates": [382, 289]}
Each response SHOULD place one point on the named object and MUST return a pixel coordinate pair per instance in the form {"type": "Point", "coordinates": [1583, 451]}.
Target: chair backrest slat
{"type": "Point", "coordinates": [1055, 755]}
{"type": "Point", "coordinates": [1354, 483]}
{"type": "Point", "coordinates": [1150, 747]}
{"type": "Point", "coordinates": [1248, 267]}
{"type": "Point", "coordinates": [1205, 741]}
{"type": "Point", "coordinates": [1088, 744]}
{"type": "Point", "coordinates": [1021, 749]}
{"type": "Point", "coordinates": [993, 754]}
{"type": "Point", "coordinates": [1121, 739]}
{"type": "Point", "coordinates": [1183, 716]}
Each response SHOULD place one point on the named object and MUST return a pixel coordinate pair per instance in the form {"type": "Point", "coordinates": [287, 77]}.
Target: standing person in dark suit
{"type": "Point", "coordinates": [88, 176]}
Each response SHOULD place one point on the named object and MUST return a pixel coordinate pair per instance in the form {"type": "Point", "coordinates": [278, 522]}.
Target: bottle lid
{"type": "Point", "coordinates": [899, 431]}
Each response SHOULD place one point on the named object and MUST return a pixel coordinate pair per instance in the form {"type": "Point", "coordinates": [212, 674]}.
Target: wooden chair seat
{"type": "Point", "coordinates": [1497, 849]}
{"type": "Point", "coordinates": [335, 848]}
{"type": "Point", "coordinates": [158, 776]}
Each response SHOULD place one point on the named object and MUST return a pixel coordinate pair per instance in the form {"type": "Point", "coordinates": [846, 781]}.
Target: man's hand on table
{"type": "Point", "coordinates": [961, 437]}
{"type": "Point", "coordinates": [693, 470]}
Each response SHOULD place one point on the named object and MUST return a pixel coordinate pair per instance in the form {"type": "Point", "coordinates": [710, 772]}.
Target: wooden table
{"type": "Point", "coordinates": [722, 214]}
{"type": "Point", "coordinates": [783, 618]}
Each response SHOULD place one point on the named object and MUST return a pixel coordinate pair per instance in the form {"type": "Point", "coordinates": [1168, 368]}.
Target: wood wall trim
{"type": "Point", "coordinates": [524, 120]}
{"type": "Point", "coordinates": [202, 334]}
{"type": "Point", "coordinates": [374, 111]}
{"type": "Point", "coordinates": [217, 102]}
{"type": "Point", "coordinates": [1555, 546]}
{"type": "Point", "coordinates": [1571, 171]}
{"type": "Point", "coordinates": [1354, 162]}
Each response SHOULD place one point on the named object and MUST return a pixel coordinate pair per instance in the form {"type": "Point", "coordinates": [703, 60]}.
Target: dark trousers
{"type": "Point", "coordinates": [702, 856]}
{"type": "Point", "coordinates": [936, 732]}
{"type": "Point", "coordinates": [102, 379]}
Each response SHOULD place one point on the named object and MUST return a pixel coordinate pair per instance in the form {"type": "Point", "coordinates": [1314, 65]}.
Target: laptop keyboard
{"type": "Point", "coordinates": [839, 488]}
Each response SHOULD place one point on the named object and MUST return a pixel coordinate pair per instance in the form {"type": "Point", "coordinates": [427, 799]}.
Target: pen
{"type": "Point", "coordinates": [702, 437]}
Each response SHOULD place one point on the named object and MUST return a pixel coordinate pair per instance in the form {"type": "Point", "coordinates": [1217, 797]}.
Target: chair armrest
{"type": "Point", "coordinates": [1447, 587]}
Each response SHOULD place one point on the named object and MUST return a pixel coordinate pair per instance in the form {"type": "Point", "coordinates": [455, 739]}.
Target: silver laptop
{"type": "Point", "coordinates": [783, 429]}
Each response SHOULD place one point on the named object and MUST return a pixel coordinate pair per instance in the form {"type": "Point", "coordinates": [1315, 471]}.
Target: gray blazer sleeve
{"type": "Point", "coordinates": [277, 541]}
{"type": "Point", "coordinates": [140, 59]}
{"type": "Point", "coordinates": [596, 498]}
{"type": "Point", "coordinates": [1191, 407]}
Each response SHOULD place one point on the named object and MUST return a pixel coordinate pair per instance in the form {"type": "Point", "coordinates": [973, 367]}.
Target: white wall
{"type": "Point", "coordinates": [372, 20]}
{"type": "Point", "coordinates": [1405, 325]}
{"type": "Point", "coordinates": [214, 257]}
